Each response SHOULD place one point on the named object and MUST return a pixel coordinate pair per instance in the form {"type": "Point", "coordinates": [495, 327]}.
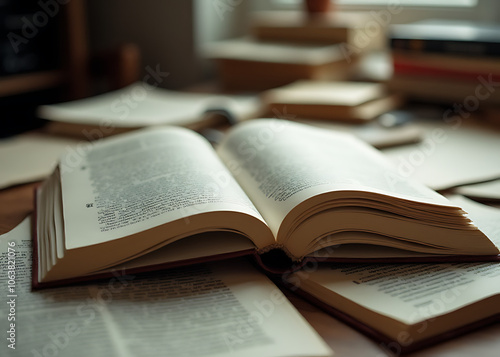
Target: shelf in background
{"type": "Point", "coordinates": [22, 83]}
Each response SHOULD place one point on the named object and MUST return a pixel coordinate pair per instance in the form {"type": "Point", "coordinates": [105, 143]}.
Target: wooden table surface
{"type": "Point", "coordinates": [17, 202]}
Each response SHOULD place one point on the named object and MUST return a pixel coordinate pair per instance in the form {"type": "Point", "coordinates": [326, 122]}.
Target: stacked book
{"type": "Point", "coordinates": [447, 61]}
{"type": "Point", "coordinates": [289, 46]}
{"type": "Point", "coordinates": [350, 102]}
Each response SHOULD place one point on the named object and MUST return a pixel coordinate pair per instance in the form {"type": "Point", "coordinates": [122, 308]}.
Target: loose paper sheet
{"type": "Point", "coordinates": [30, 157]}
{"type": "Point", "coordinates": [449, 156]}
{"type": "Point", "coordinates": [140, 104]}
{"type": "Point", "coordinates": [206, 310]}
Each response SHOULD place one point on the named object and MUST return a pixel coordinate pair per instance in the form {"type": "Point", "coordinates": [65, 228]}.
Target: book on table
{"type": "Point", "coordinates": [445, 60]}
{"type": "Point", "coordinates": [445, 66]}
{"type": "Point", "coordinates": [142, 105]}
{"type": "Point", "coordinates": [410, 306]}
{"type": "Point", "coordinates": [455, 37]}
{"type": "Point", "coordinates": [437, 90]}
{"type": "Point", "coordinates": [248, 65]}
{"type": "Point", "coordinates": [217, 309]}
{"type": "Point", "coordinates": [273, 189]}
{"type": "Point", "coordinates": [232, 309]}
{"type": "Point", "coordinates": [333, 27]}
{"type": "Point", "coordinates": [351, 102]}
{"type": "Point", "coordinates": [163, 198]}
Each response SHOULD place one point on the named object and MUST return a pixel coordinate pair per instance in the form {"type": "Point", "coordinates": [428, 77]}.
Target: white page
{"type": "Point", "coordinates": [410, 293]}
{"type": "Point", "coordinates": [212, 310]}
{"type": "Point", "coordinates": [141, 180]}
{"type": "Point", "coordinates": [487, 190]}
{"type": "Point", "coordinates": [325, 93]}
{"type": "Point", "coordinates": [486, 218]}
{"type": "Point", "coordinates": [373, 133]}
{"type": "Point", "coordinates": [449, 155]}
{"type": "Point", "coordinates": [140, 104]}
{"type": "Point", "coordinates": [280, 164]}
{"type": "Point", "coordinates": [30, 157]}
{"type": "Point", "coordinates": [249, 50]}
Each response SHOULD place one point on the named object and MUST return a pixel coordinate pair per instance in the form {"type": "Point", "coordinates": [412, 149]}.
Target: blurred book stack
{"type": "Point", "coordinates": [352, 102]}
{"type": "Point", "coordinates": [294, 26]}
{"type": "Point", "coordinates": [286, 46]}
{"type": "Point", "coordinates": [447, 61]}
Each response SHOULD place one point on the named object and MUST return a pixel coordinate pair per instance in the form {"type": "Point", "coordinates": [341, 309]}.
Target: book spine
{"type": "Point", "coordinates": [488, 49]}
{"type": "Point", "coordinates": [416, 70]}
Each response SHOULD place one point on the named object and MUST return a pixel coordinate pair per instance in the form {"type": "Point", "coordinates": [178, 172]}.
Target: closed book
{"type": "Point", "coordinates": [245, 64]}
{"type": "Point", "coordinates": [447, 36]}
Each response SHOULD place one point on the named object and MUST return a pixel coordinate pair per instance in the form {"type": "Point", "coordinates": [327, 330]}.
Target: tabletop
{"type": "Point", "coordinates": [17, 202]}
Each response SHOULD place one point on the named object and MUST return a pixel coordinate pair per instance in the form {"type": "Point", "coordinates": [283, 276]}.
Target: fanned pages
{"type": "Point", "coordinates": [317, 188]}
{"type": "Point", "coordinates": [410, 306]}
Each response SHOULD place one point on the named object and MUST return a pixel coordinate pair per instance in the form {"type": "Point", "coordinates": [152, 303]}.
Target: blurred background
{"type": "Point", "coordinates": [58, 50]}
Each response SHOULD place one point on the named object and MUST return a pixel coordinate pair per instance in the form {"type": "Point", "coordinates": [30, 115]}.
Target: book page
{"type": "Point", "coordinates": [140, 105]}
{"type": "Point", "coordinates": [137, 181]}
{"type": "Point", "coordinates": [250, 50]}
{"type": "Point", "coordinates": [486, 218]}
{"type": "Point", "coordinates": [334, 94]}
{"type": "Point", "coordinates": [413, 293]}
{"type": "Point", "coordinates": [410, 293]}
{"type": "Point", "coordinates": [30, 157]}
{"type": "Point", "coordinates": [373, 133]}
{"type": "Point", "coordinates": [280, 164]}
{"type": "Point", "coordinates": [449, 155]}
{"type": "Point", "coordinates": [483, 191]}
{"type": "Point", "coordinates": [203, 245]}
{"type": "Point", "coordinates": [205, 310]}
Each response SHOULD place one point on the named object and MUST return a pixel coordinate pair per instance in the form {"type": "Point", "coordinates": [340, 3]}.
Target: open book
{"type": "Point", "coordinates": [410, 306]}
{"type": "Point", "coordinates": [141, 105]}
{"type": "Point", "coordinates": [164, 197]}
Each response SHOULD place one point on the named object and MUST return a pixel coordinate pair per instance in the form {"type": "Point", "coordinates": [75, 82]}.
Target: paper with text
{"type": "Point", "coordinates": [205, 310]}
